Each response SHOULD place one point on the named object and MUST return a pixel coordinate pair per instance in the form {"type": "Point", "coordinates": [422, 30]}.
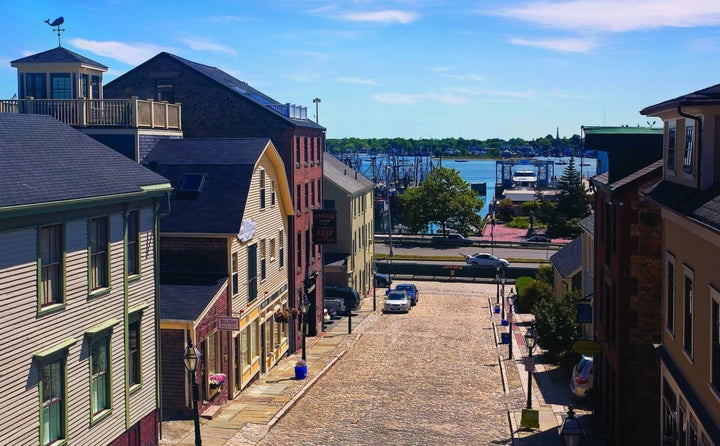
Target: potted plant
{"type": "Point", "coordinates": [216, 380]}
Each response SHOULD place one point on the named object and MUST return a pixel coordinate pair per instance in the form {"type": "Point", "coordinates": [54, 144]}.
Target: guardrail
{"type": "Point", "coordinates": [461, 273]}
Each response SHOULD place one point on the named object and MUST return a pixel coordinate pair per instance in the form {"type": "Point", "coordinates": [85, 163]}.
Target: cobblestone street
{"type": "Point", "coordinates": [428, 377]}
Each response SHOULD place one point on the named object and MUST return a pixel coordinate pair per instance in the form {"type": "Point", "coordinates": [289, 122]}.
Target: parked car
{"type": "Point", "coordinates": [349, 296]}
{"type": "Point", "coordinates": [536, 240]}
{"type": "Point", "coordinates": [382, 280]}
{"type": "Point", "coordinates": [485, 259]}
{"type": "Point", "coordinates": [411, 290]}
{"type": "Point", "coordinates": [451, 239]}
{"type": "Point", "coordinates": [396, 301]}
{"type": "Point", "coordinates": [581, 381]}
{"type": "Point", "coordinates": [335, 306]}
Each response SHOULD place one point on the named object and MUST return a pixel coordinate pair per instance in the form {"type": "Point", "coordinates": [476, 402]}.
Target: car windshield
{"type": "Point", "coordinates": [405, 287]}
{"type": "Point", "coordinates": [396, 296]}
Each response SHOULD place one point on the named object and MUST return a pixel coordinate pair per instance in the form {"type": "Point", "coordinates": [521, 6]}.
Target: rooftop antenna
{"type": "Point", "coordinates": [56, 26]}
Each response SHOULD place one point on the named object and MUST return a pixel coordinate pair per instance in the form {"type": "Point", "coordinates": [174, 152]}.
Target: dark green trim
{"type": "Point", "coordinates": [101, 330]}
{"type": "Point", "coordinates": [93, 292]}
{"type": "Point", "coordinates": [95, 418]}
{"type": "Point", "coordinates": [44, 362]}
{"type": "Point", "coordinates": [56, 351]}
{"type": "Point", "coordinates": [136, 313]}
{"type": "Point", "coordinates": [151, 191]}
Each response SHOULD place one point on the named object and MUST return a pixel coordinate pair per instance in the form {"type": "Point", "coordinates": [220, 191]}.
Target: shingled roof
{"type": "Point", "coordinates": [227, 166]}
{"type": "Point", "coordinates": [43, 161]}
{"type": "Point", "coordinates": [702, 207]}
{"type": "Point", "coordinates": [568, 259]}
{"type": "Point", "coordinates": [234, 86]}
{"type": "Point", "coordinates": [186, 302]}
{"type": "Point", "coordinates": [343, 176]}
{"type": "Point", "coordinates": [57, 56]}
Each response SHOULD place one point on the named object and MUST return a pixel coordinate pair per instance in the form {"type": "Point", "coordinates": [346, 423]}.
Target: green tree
{"type": "Point", "coordinates": [556, 323]}
{"type": "Point", "coordinates": [545, 273]}
{"type": "Point", "coordinates": [572, 203]}
{"type": "Point", "coordinates": [444, 199]}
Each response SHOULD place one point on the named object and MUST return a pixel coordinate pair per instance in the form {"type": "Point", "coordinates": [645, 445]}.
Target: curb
{"type": "Point", "coordinates": [305, 388]}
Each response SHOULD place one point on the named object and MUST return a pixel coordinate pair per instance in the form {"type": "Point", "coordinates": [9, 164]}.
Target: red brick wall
{"type": "Point", "coordinates": [172, 346]}
{"type": "Point", "coordinates": [144, 433]}
{"type": "Point", "coordinates": [210, 110]}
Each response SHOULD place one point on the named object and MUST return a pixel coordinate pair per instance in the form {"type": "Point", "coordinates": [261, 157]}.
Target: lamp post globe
{"type": "Point", "coordinates": [190, 360]}
{"type": "Point", "coordinates": [304, 308]}
{"type": "Point", "coordinates": [531, 337]}
{"type": "Point", "coordinates": [571, 432]}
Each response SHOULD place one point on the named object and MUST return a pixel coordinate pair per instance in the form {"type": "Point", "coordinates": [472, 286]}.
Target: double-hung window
{"type": "Point", "coordinates": [688, 292]}
{"type": "Point", "coordinates": [671, 136]}
{"type": "Point", "coordinates": [51, 288]}
{"type": "Point", "coordinates": [715, 340]}
{"type": "Point", "coordinates": [134, 369]}
{"type": "Point", "coordinates": [100, 399]}
{"type": "Point", "coordinates": [263, 261]}
{"type": "Point", "coordinates": [235, 273]}
{"type": "Point", "coordinates": [52, 388]}
{"type": "Point", "coordinates": [689, 143]}
{"type": "Point", "coordinates": [281, 249]}
{"type": "Point", "coordinates": [252, 279]}
{"type": "Point", "coordinates": [133, 245]}
{"type": "Point", "coordinates": [670, 294]}
{"type": "Point", "coordinates": [262, 189]}
{"type": "Point", "coordinates": [53, 396]}
{"type": "Point", "coordinates": [99, 253]}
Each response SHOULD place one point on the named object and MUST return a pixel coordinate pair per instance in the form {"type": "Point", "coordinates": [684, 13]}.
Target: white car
{"type": "Point", "coordinates": [396, 301]}
{"type": "Point", "coordinates": [581, 382]}
{"type": "Point", "coordinates": [485, 259]}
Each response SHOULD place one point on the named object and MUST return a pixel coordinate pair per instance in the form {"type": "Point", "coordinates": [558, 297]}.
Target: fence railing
{"type": "Point", "coordinates": [133, 112]}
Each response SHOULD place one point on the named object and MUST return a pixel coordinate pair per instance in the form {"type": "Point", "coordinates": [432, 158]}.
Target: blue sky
{"type": "Point", "coordinates": [407, 68]}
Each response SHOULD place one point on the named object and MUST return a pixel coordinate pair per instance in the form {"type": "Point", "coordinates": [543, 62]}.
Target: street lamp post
{"type": "Point", "coordinates": [531, 337]}
{"type": "Point", "coordinates": [190, 359]}
{"type": "Point", "coordinates": [304, 309]}
{"type": "Point", "coordinates": [497, 283]}
{"type": "Point", "coordinates": [512, 301]}
{"type": "Point", "coordinates": [502, 292]}
{"type": "Point", "coordinates": [571, 432]}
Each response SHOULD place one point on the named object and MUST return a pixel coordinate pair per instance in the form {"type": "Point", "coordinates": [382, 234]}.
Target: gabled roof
{"type": "Point", "coordinates": [58, 55]}
{"type": "Point", "coordinates": [706, 96]}
{"type": "Point", "coordinates": [186, 302]}
{"type": "Point", "coordinates": [568, 260]}
{"type": "Point", "coordinates": [700, 207]}
{"type": "Point", "coordinates": [343, 176]}
{"type": "Point", "coordinates": [588, 224]}
{"type": "Point", "coordinates": [601, 181]}
{"type": "Point", "coordinates": [45, 161]}
{"type": "Point", "coordinates": [233, 85]}
{"type": "Point", "coordinates": [227, 166]}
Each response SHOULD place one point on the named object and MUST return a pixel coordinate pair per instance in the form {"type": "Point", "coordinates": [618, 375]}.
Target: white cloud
{"type": "Point", "coordinates": [413, 99]}
{"type": "Point", "coordinates": [566, 45]}
{"type": "Point", "coordinates": [206, 45]}
{"type": "Point", "coordinates": [387, 16]}
{"type": "Point", "coordinates": [356, 80]}
{"type": "Point", "coordinates": [615, 15]}
{"type": "Point", "coordinates": [469, 77]}
{"type": "Point", "coordinates": [131, 54]}
{"type": "Point", "coordinates": [227, 19]}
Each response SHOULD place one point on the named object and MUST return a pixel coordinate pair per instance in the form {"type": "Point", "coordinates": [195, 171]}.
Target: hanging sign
{"type": "Point", "coordinates": [247, 230]}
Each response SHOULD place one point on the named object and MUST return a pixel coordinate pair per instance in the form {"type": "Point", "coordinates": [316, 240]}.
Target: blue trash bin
{"type": "Point", "coordinates": [504, 338]}
{"type": "Point", "coordinates": [300, 371]}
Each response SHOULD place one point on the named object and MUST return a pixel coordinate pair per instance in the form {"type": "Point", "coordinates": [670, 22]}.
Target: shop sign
{"type": "Point", "coordinates": [228, 323]}
{"type": "Point", "coordinates": [586, 347]}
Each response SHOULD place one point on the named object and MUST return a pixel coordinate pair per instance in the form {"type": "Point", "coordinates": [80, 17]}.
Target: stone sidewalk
{"type": "Point", "coordinates": [248, 418]}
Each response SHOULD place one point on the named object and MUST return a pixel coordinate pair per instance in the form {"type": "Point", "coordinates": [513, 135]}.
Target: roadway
{"type": "Point", "coordinates": [506, 251]}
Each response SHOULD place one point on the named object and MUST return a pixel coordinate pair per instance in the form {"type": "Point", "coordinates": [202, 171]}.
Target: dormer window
{"type": "Point", "coordinates": [191, 186]}
{"type": "Point", "coordinates": [689, 142]}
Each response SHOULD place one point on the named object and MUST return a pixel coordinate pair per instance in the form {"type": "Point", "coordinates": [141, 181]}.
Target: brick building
{"type": "Point", "coordinates": [217, 105]}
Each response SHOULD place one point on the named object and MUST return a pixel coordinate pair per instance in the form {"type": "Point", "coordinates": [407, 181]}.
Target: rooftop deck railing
{"type": "Point", "coordinates": [132, 113]}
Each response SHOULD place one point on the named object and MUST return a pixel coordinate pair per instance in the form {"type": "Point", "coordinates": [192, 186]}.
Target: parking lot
{"type": "Point", "coordinates": [430, 376]}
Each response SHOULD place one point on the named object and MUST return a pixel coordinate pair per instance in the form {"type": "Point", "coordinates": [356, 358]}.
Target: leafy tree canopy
{"type": "Point", "coordinates": [547, 145]}
{"type": "Point", "coordinates": [444, 199]}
